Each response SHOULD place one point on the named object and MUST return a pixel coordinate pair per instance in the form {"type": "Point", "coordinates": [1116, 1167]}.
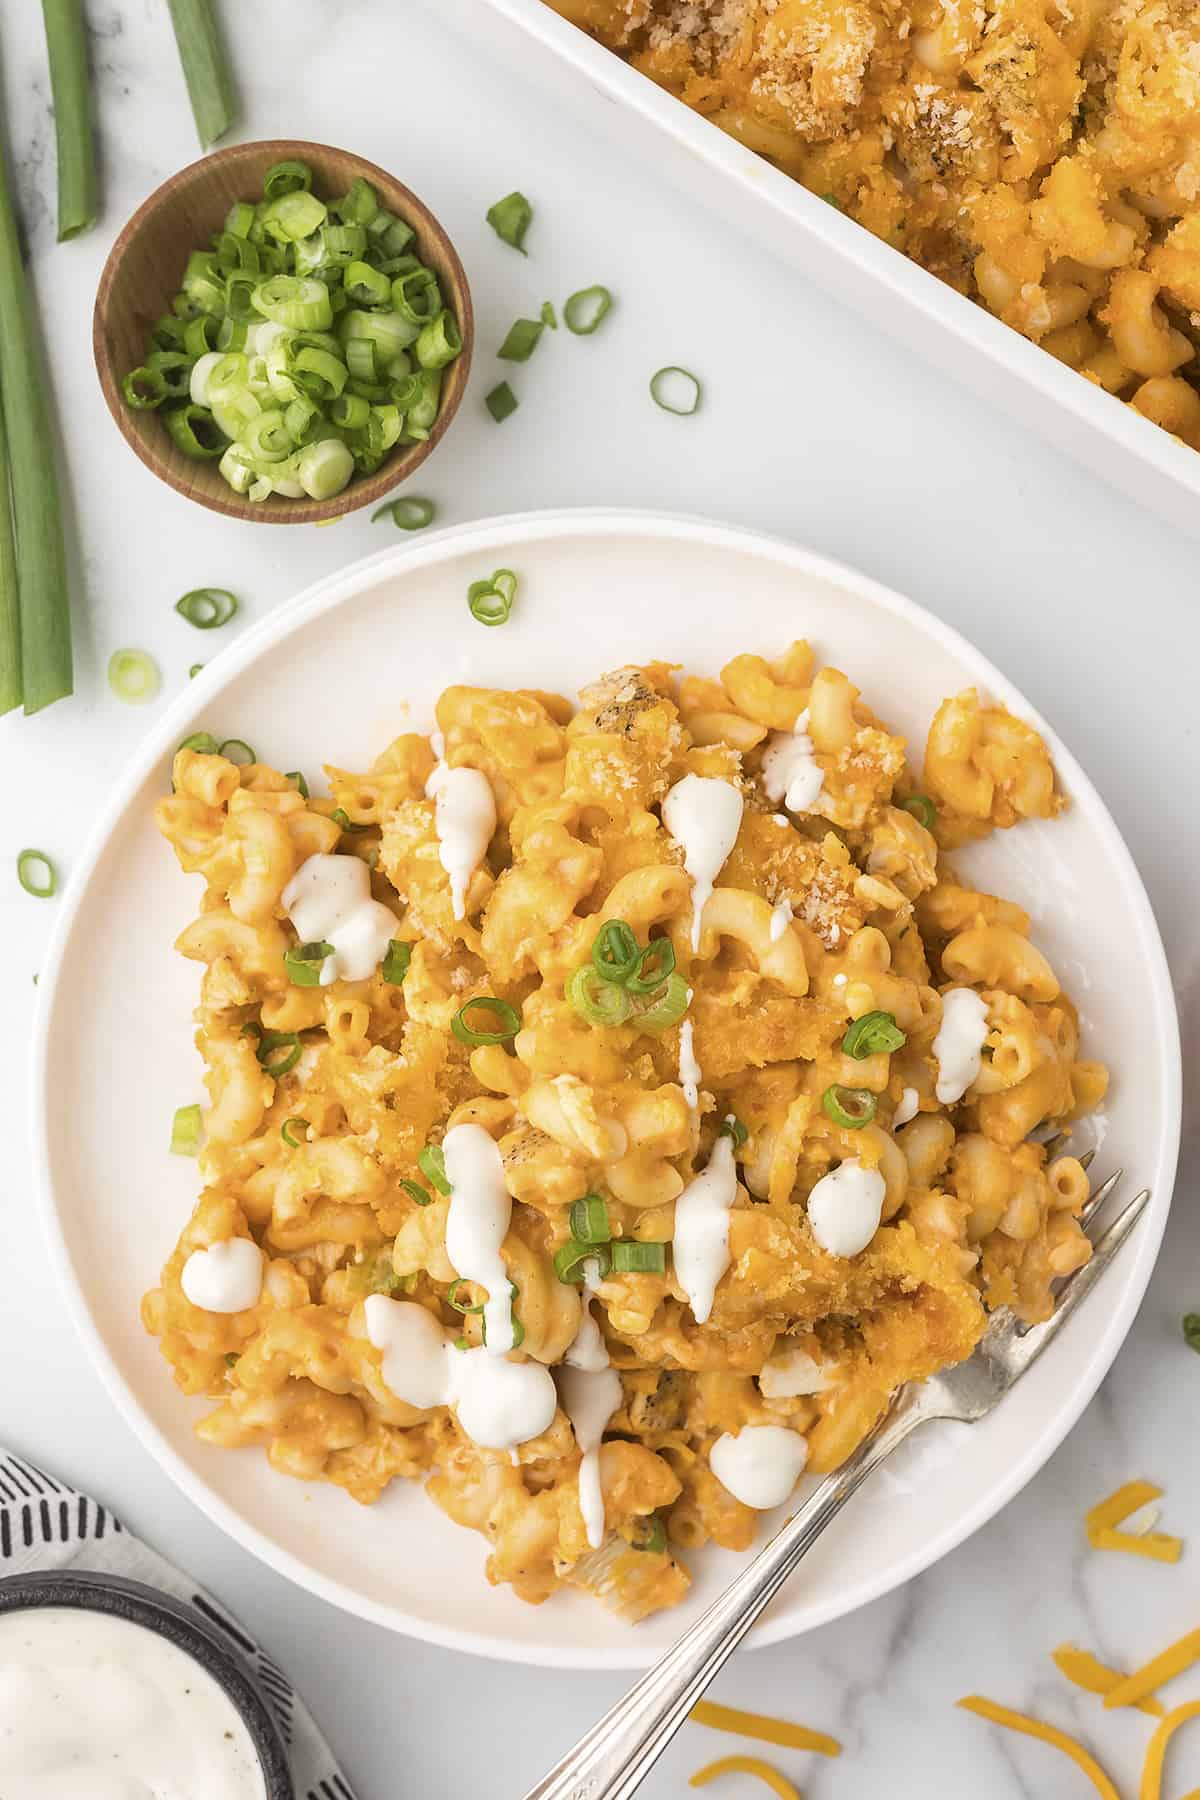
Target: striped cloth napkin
{"type": "Point", "coordinates": [44, 1524]}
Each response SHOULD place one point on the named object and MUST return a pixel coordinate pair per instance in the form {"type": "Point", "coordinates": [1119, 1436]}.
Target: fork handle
{"type": "Point", "coordinates": [612, 1759]}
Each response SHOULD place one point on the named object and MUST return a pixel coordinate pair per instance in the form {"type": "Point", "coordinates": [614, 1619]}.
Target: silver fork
{"type": "Point", "coordinates": [611, 1760]}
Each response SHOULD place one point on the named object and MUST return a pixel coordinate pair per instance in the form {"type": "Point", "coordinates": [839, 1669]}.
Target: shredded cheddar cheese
{"type": "Point", "coordinates": [1102, 1520]}
{"type": "Point", "coordinates": [1086, 1671]}
{"type": "Point", "coordinates": [1162, 1668]}
{"type": "Point", "coordinates": [1152, 1768]}
{"type": "Point", "coordinates": [758, 1725]}
{"type": "Point", "coordinates": [746, 1765]}
{"type": "Point", "coordinates": [1048, 1734]}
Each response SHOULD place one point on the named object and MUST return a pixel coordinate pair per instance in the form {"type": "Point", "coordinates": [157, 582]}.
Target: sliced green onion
{"type": "Point", "coordinates": [507, 1017]}
{"type": "Point", "coordinates": [501, 402]}
{"type": "Point", "coordinates": [416, 1192]}
{"type": "Point", "coordinates": [292, 1132]}
{"type": "Point", "coordinates": [732, 1127]}
{"type": "Point", "coordinates": [194, 671]}
{"type": "Point", "coordinates": [240, 216]}
{"type": "Point", "coordinates": [548, 315]}
{"type": "Point", "coordinates": [632, 1258]}
{"type": "Point", "coordinates": [676, 391]}
{"type": "Point", "coordinates": [616, 952]}
{"type": "Point", "coordinates": [874, 1034]}
{"type": "Point", "coordinates": [167, 333]}
{"type": "Point", "coordinates": [365, 286]}
{"type": "Point", "coordinates": [432, 1164]}
{"type": "Point", "coordinates": [851, 1108]}
{"type": "Point", "coordinates": [460, 1306]}
{"type": "Point", "coordinates": [205, 69]}
{"type": "Point", "coordinates": [521, 341]}
{"type": "Point", "coordinates": [510, 219]}
{"type": "Point", "coordinates": [439, 342]}
{"type": "Point", "coordinates": [133, 676]}
{"type": "Point", "coordinates": [185, 1131]}
{"type": "Point", "coordinates": [289, 177]}
{"type": "Point", "coordinates": [304, 963]}
{"type": "Point", "coordinates": [295, 300]}
{"type": "Point", "coordinates": [144, 389]}
{"type": "Point", "coordinates": [238, 751]}
{"type": "Point", "coordinates": [325, 468]}
{"type": "Point", "coordinates": [668, 1008]}
{"type": "Point", "coordinates": [921, 807]}
{"type": "Point", "coordinates": [36, 874]}
{"type": "Point", "coordinates": [206, 608]}
{"type": "Point", "coordinates": [570, 1262]}
{"type": "Point", "coordinates": [195, 431]}
{"type": "Point", "coordinates": [656, 964]}
{"type": "Point", "coordinates": [174, 368]}
{"type": "Point", "coordinates": [416, 295]}
{"type": "Point", "coordinates": [359, 204]}
{"type": "Point", "coordinates": [278, 1052]}
{"type": "Point", "coordinates": [342, 818]}
{"type": "Point", "coordinates": [202, 741]}
{"type": "Point", "coordinates": [200, 336]}
{"type": "Point", "coordinates": [595, 999]}
{"type": "Point", "coordinates": [294, 217]}
{"type": "Point", "coordinates": [653, 1541]}
{"type": "Point", "coordinates": [295, 776]}
{"type": "Point", "coordinates": [350, 412]}
{"type": "Point", "coordinates": [394, 966]}
{"type": "Point", "coordinates": [582, 312]}
{"type": "Point", "coordinates": [589, 1220]}
{"type": "Point", "coordinates": [407, 513]}
{"type": "Point", "coordinates": [491, 600]}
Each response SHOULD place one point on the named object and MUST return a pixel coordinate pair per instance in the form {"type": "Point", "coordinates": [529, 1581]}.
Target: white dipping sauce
{"type": "Point", "coordinates": [477, 1225]}
{"type": "Point", "coordinates": [701, 1246]}
{"type": "Point", "coordinates": [329, 901]}
{"type": "Point", "coordinates": [465, 818]}
{"type": "Point", "coordinates": [93, 1707]}
{"type": "Point", "coordinates": [790, 770]}
{"type": "Point", "coordinates": [959, 1043]}
{"type": "Point", "coordinates": [704, 816]}
{"type": "Point", "coordinates": [225, 1278]}
{"type": "Point", "coordinates": [499, 1404]}
{"type": "Point", "coordinates": [845, 1206]}
{"type": "Point", "coordinates": [690, 1072]}
{"type": "Point", "coordinates": [910, 1105]}
{"type": "Point", "coordinates": [761, 1465]}
{"type": "Point", "coordinates": [590, 1392]}
{"type": "Point", "coordinates": [790, 1373]}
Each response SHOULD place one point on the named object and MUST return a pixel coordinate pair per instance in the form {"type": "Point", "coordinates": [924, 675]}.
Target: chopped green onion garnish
{"type": "Point", "coordinates": [133, 676]}
{"type": "Point", "coordinates": [675, 390]}
{"type": "Point", "coordinates": [651, 1536]}
{"type": "Point", "coordinates": [282, 178]}
{"type": "Point", "coordinates": [144, 389]}
{"type": "Point", "coordinates": [185, 1131]}
{"type": "Point", "coordinates": [194, 671]}
{"type": "Point", "coordinates": [409, 513]}
{"type": "Point", "coordinates": [491, 600]}
{"type": "Point", "coordinates": [416, 1192]}
{"type": "Point", "coordinates": [304, 963]}
{"type": "Point", "coordinates": [195, 431]}
{"type": "Point", "coordinates": [589, 1220]}
{"type": "Point", "coordinates": [238, 751]}
{"type": "Point", "coordinates": [521, 341]}
{"type": "Point", "coordinates": [279, 1051]}
{"type": "Point", "coordinates": [66, 42]}
{"type": "Point", "coordinates": [439, 342]}
{"type": "Point", "coordinates": [922, 808]}
{"type": "Point", "coordinates": [616, 952]}
{"type": "Point", "coordinates": [501, 402]}
{"type": "Point", "coordinates": [205, 69]}
{"type": "Point", "coordinates": [549, 316]}
{"type": "Point", "coordinates": [432, 1164]}
{"type": "Point", "coordinates": [668, 1008]}
{"type": "Point", "coordinates": [394, 966]}
{"type": "Point", "coordinates": [656, 964]}
{"type": "Point", "coordinates": [851, 1108]}
{"type": "Point", "coordinates": [1191, 1330]}
{"type": "Point", "coordinates": [570, 1262]}
{"type": "Point", "coordinates": [596, 999]}
{"type": "Point", "coordinates": [294, 775]}
{"type": "Point", "coordinates": [874, 1034]}
{"type": "Point", "coordinates": [292, 1132]}
{"type": "Point", "coordinates": [510, 218]}
{"type": "Point", "coordinates": [732, 1127]}
{"type": "Point", "coordinates": [582, 312]}
{"type": "Point", "coordinates": [35, 872]}
{"type": "Point", "coordinates": [203, 742]}
{"type": "Point", "coordinates": [518, 1330]}
{"type": "Point", "coordinates": [206, 608]}
{"type": "Point", "coordinates": [507, 1017]}
{"type": "Point", "coordinates": [460, 1306]}
{"type": "Point", "coordinates": [632, 1258]}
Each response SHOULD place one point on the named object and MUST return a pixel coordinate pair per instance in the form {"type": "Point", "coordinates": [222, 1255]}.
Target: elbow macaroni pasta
{"type": "Point", "coordinates": [317, 1163]}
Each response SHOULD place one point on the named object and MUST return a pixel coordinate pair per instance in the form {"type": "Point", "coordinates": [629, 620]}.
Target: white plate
{"type": "Point", "coordinates": [332, 678]}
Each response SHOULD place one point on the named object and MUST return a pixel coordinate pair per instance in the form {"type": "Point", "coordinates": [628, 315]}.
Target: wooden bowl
{"type": "Point", "coordinates": [145, 269]}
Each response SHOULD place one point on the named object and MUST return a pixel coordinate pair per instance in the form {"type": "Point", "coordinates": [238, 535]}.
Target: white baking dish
{"type": "Point", "coordinates": [884, 286]}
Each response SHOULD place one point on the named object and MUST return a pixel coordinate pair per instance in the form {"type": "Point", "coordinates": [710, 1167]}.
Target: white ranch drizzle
{"type": "Point", "coordinates": [225, 1278]}
{"type": "Point", "coordinates": [465, 818]}
{"type": "Point", "coordinates": [477, 1224]}
{"type": "Point", "coordinates": [844, 1208]}
{"type": "Point", "coordinates": [690, 1072]}
{"type": "Point", "coordinates": [959, 1043]}
{"type": "Point", "coordinates": [329, 900]}
{"type": "Point", "coordinates": [704, 816]}
{"type": "Point", "coordinates": [910, 1105]}
{"type": "Point", "coordinates": [499, 1404]}
{"type": "Point", "coordinates": [590, 1393]}
{"type": "Point", "coordinates": [781, 918]}
{"type": "Point", "coordinates": [761, 1465]}
{"type": "Point", "coordinates": [791, 1373]}
{"type": "Point", "coordinates": [790, 771]}
{"type": "Point", "coordinates": [701, 1246]}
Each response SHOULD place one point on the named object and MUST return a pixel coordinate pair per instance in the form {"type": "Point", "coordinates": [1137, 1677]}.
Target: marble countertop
{"type": "Point", "coordinates": [830, 435]}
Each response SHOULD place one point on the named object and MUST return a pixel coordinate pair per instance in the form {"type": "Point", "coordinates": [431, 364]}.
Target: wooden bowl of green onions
{"type": "Point", "coordinates": [283, 332]}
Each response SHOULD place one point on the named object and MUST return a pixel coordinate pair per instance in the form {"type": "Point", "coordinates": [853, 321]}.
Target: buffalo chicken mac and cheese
{"type": "Point", "coordinates": [611, 1106]}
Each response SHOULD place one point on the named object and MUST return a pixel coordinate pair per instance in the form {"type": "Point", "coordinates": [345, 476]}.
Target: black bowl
{"type": "Point", "coordinates": [140, 1605]}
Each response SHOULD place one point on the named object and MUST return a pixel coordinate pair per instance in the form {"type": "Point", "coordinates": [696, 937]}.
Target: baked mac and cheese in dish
{"type": "Point", "coordinates": [612, 1104]}
{"type": "Point", "coordinates": [1041, 156]}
